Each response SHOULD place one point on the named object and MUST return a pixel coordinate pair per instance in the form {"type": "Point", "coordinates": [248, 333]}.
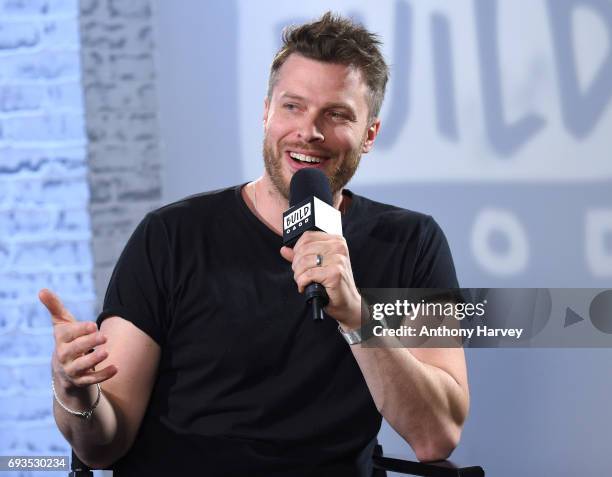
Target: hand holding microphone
{"type": "Point", "coordinates": [320, 258]}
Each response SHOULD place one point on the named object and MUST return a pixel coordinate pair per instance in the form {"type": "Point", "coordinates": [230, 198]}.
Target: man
{"type": "Point", "coordinates": [214, 366]}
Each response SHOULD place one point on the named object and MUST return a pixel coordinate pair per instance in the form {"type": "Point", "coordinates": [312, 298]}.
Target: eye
{"type": "Point", "coordinates": [290, 106]}
{"type": "Point", "coordinates": [339, 116]}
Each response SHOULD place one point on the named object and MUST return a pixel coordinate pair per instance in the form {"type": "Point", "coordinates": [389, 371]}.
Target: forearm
{"type": "Point", "coordinates": [423, 403]}
{"type": "Point", "coordinates": [96, 441]}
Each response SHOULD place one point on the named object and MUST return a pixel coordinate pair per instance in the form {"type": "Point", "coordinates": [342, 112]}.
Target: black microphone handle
{"type": "Point", "coordinates": [316, 296]}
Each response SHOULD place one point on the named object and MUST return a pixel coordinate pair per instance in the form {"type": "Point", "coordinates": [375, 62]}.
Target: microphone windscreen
{"type": "Point", "coordinates": [309, 182]}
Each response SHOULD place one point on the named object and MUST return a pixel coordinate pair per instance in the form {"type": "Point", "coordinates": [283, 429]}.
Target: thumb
{"type": "Point", "coordinates": [287, 253]}
{"type": "Point", "coordinates": [59, 313]}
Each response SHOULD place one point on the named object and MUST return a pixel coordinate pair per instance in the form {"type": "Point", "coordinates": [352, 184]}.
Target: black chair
{"type": "Point", "coordinates": [382, 464]}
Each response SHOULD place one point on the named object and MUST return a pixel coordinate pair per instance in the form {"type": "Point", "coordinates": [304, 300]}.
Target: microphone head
{"type": "Point", "coordinates": [309, 182]}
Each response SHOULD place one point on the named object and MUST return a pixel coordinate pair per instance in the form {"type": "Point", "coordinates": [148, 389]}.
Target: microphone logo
{"type": "Point", "coordinates": [297, 218]}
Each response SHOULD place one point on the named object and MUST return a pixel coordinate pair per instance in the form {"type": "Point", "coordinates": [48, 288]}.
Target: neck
{"type": "Point", "coordinates": [268, 204]}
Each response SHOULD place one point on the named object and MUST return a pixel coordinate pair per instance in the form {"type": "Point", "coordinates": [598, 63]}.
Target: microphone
{"type": "Point", "coordinates": [310, 208]}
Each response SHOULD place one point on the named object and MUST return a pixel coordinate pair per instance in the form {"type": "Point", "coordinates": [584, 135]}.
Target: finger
{"type": "Point", "coordinates": [58, 311]}
{"type": "Point", "coordinates": [309, 237]}
{"type": "Point", "coordinates": [96, 377]}
{"type": "Point", "coordinates": [304, 262]}
{"type": "Point", "coordinates": [66, 333]}
{"type": "Point", "coordinates": [85, 363]}
{"type": "Point", "coordinates": [316, 236]}
{"type": "Point", "coordinates": [80, 346]}
{"type": "Point", "coordinates": [323, 247]}
{"type": "Point", "coordinates": [312, 275]}
{"type": "Point", "coordinates": [287, 253]}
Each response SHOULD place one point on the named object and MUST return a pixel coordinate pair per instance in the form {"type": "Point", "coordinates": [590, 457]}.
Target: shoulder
{"type": "Point", "coordinates": [383, 219]}
{"type": "Point", "coordinates": [187, 219]}
{"type": "Point", "coordinates": [203, 206]}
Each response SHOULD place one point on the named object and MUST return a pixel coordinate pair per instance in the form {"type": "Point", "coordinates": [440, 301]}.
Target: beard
{"type": "Point", "coordinates": [338, 176]}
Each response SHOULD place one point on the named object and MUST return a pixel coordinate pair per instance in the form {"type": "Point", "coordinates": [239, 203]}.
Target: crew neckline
{"type": "Point", "coordinates": [263, 228]}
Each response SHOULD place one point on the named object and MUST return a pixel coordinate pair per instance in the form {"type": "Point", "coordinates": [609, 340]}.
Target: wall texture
{"type": "Point", "coordinates": [119, 91]}
{"type": "Point", "coordinates": [79, 167]}
{"type": "Point", "coordinates": [44, 224]}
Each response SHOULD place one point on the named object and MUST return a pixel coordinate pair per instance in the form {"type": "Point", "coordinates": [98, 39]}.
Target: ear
{"type": "Point", "coordinates": [371, 134]}
{"type": "Point", "coordinates": [266, 109]}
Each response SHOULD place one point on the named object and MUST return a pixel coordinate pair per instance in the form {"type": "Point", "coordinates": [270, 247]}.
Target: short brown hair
{"type": "Point", "coordinates": [334, 39]}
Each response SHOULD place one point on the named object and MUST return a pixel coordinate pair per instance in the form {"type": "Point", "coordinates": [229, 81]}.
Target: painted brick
{"type": "Point", "coordinates": [35, 97]}
{"type": "Point", "coordinates": [30, 223]}
{"type": "Point", "coordinates": [41, 65]}
{"type": "Point", "coordinates": [30, 377]}
{"type": "Point", "coordinates": [33, 437]}
{"type": "Point", "coordinates": [35, 377]}
{"type": "Point", "coordinates": [44, 127]}
{"type": "Point", "coordinates": [17, 345]}
{"type": "Point", "coordinates": [9, 379]}
{"type": "Point", "coordinates": [43, 189]}
{"type": "Point", "coordinates": [64, 95]}
{"type": "Point", "coordinates": [60, 33]}
{"type": "Point", "coordinates": [117, 67]}
{"type": "Point", "coordinates": [9, 316]}
{"type": "Point", "coordinates": [52, 254]}
{"type": "Point", "coordinates": [122, 127]}
{"type": "Point", "coordinates": [73, 220]}
{"type": "Point", "coordinates": [50, 191]}
{"type": "Point", "coordinates": [71, 285]}
{"type": "Point", "coordinates": [125, 187]}
{"type": "Point", "coordinates": [35, 317]}
{"type": "Point", "coordinates": [26, 221]}
{"type": "Point", "coordinates": [29, 407]}
{"type": "Point", "coordinates": [17, 8]}
{"type": "Point", "coordinates": [120, 95]}
{"type": "Point", "coordinates": [109, 158]}
{"type": "Point", "coordinates": [37, 161]}
{"type": "Point", "coordinates": [21, 98]}
{"type": "Point", "coordinates": [111, 219]}
{"type": "Point", "coordinates": [117, 35]}
{"type": "Point", "coordinates": [131, 10]}
{"type": "Point", "coordinates": [5, 253]}
{"type": "Point", "coordinates": [14, 36]}
{"type": "Point", "coordinates": [44, 225]}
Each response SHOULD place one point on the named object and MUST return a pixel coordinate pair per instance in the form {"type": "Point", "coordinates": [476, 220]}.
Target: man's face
{"type": "Point", "coordinates": [317, 117]}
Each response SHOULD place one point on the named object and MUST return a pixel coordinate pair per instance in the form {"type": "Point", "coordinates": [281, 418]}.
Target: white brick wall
{"type": "Point", "coordinates": [79, 167]}
{"type": "Point", "coordinates": [45, 232]}
{"type": "Point", "coordinates": [119, 88]}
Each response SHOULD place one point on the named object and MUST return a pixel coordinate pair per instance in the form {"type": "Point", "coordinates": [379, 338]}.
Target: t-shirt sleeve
{"type": "Point", "coordinates": [434, 267]}
{"type": "Point", "coordinates": [138, 290]}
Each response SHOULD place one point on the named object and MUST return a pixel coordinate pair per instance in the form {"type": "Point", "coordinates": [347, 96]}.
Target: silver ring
{"type": "Point", "coordinates": [319, 260]}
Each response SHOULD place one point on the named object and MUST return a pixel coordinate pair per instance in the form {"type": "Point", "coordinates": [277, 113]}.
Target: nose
{"type": "Point", "coordinates": [309, 131]}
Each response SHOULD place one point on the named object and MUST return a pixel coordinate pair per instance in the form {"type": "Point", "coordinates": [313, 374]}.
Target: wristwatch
{"type": "Point", "coordinates": [352, 336]}
{"type": "Point", "coordinates": [357, 336]}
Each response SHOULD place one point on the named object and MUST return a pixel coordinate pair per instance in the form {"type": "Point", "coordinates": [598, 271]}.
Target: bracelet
{"type": "Point", "coordinates": [84, 414]}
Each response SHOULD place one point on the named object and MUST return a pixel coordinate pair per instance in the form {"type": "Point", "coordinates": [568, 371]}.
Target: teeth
{"type": "Point", "coordinates": [304, 158]}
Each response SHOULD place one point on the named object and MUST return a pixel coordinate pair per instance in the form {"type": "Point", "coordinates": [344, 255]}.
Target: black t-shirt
{"type": "Point", "coordinates": [247, 382]}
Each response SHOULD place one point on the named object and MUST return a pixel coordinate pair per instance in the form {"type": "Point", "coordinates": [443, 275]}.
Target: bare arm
{"type": "Point", "coordinates": [126, 383]}
{"type": "Point", "coordinates": [422, 393]}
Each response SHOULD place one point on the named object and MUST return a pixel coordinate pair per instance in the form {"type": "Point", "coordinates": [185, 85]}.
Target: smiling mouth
{"type": "Point", "coordinates": [296, 156]}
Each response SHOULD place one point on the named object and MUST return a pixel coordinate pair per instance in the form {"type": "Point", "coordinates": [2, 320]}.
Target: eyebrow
{"type": "Point", "coordinates": [327, 106]}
